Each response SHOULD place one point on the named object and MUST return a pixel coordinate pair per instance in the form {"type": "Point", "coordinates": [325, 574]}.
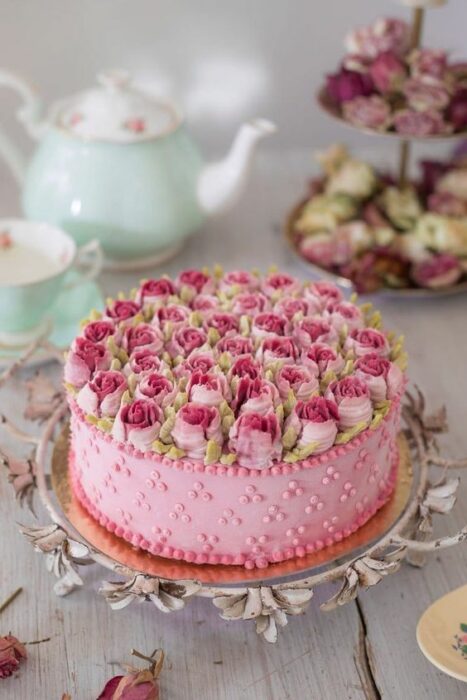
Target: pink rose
{"type": "Point", "coordinates": [326, 249]}
{"type": "Point", "coordinates": [256, 440]}
{"type": "Point", "coordinates": [275, 348]}
{"type": "Point", "coordinates": [312, 329]}
{"type": "Point", "coordinates": [279, 282]}
{"type": "Point", "coordinates": [267, 324]}
{"type": "Point", "coordinates": [320, 358]}
{"type": "Point", "coordinates": [290, 306]}
{"type": "Point", "coordinates": [185, 340]}
{"type": "Point", "coordinates": [245, 366]}
{"type": "Point", "coordinates": [122, 310]}
{"type": "Point", "coordinates": [385, 34]}
{"type": "Point", "coordinates": [239, 281]}
{"type": "Point", "coordinates": [173, 313]}
{"type": "Point", "coordinates": [235, 345]}
{"type": "Point", "coordinates": [144, 361]}
{"type": "Point", "coordinates": [138, 423]}
{"type": "Point", "coordinates": [209, 389]}
{"type": "Point", "coordinates": [157, 387]}
{"type": "Point", "coordinates": [438, 271]}
{"type": "Point", "coordinates": [155, 291]}
{"type": "Point", "coordinates": [387, 72]}
{"type": "Point", "coordinates": [447, 204]}
{"type": "Point", "coordinates": [428, 64]}
{"type": "Point", "coordinates": [224, 323]}
{"type": "Point", "coordinates": [412, 123]}
{"type": "Point", "coordinates": [346, 85]}
{"type": "Point", "coordinates": [321, 293]}
{"type": "Point", "coordinates": [298, 379]}
{"type": "Point", "coordinates": [205, 302]}
{"type": "Point", "coordinates": [423, 96]}
{"type": "Point", "coordinates": [98, 331]}
{"type": "Point", "coordinates": [83, 359]}
{"type": "Point", "coordinates": [365, 340]}
{"type": "Point", "coordinates": [140, 685]}
{"type": "Point", "coordinates": [368, 113]}
{"type": "Point", "coordinates": [457, 110]}
{"type": "Point", "coordinates": [12, 653]}
{"type": "Point", "coordinates": [314, 421]}
{"type": "Point", "coordinates": [254, 395]}
{"type": "Point", "coordinates": [196, 280]}
{"type": "Point", "coordinates": [383, 378]}
{"type": "Point", "coordinates": [250, 304]}
{"type": "Point", "coordinates": [195, 424]}
{"type": "Point", "coordinates": [101, 396]}
{"type": "Point", "coordinates": [353, 400]}
{"type": "Point", "coordinates": [202, 361]}
{"type": "Point", "coordinates": [142, 336]}
{"type": "Point", "coordinates": [343, 314]}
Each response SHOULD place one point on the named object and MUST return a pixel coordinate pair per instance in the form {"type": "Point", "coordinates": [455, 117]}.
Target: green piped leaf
{"type": "Point", "coordinates": [132, 383]}
{"type": "Point", "coordinates": [348, 368]}
{"type": "Point", "coordinates": [224, 361]}
{"type": "Point", "coordinates": [213, 336]}
{"type": "Point", "coordinates": [91, 419]}
{"type": "Point", "coordinates": [347, 435]}
{"type": "Point", "coordinates": [121, 296]}
{"type": "Point", "coordinates": [227, 423]}
{"type": "Point", "coordinates": [71, 389]}
{"type": "Point", "coordinates": [168, 360]}
{"type": "Point", "coordinates": [218, 271]}
{"type": "Point", "coordinates": [213, 452]}
{"type": "Point", "coordinates": [244, 325]}
{"type": "Point", "coordinates": [105, 424]}
{"type": "Point", "coordinates": [195, 319]}
{"type": "Point", "coordinates": [402, 361]}
{"type": "Point", "coordinates": [137, 318]}
{"type": "Point", "coordinates": [377, 419]}
{"type": "Point", "coordinates": [176, 453]}
{"type": "Point", "coordinates": [168, 330]}
{"type": "Point", "coordinates": [343, 333]}
{"type": "Point", "coordinates": [126, 397]}
{"type": "Point", "coordinates": [289, 438]}
{"type": "Point", "coordinates": [327, 378]}
{"type": "Point", "coordinates": [160, 447]}
{"type": "Point", "coordinates": [115, 365]}
{"type": "Point", "coordinates": [95, 315]}
{"type": "Point", "coordinates": [301, 453]}
{"type": "Point", "coordinates": [165, 433]}
{"type": "Point", "coordinates": [375, 320]}
{"type": "Point", "coordinates": [182, 383]}
{"type": "Point", "coordinates": [186, 294]}
{"type": "Point", "coordinates": [280, 413]}
{"type": "Point", "coordinates": [180, 400]}
{"type": "Point", "coordinates": [289, 403]}
{"type": "Point", "coordinates": [228, 458]}
{"type": "Point", "coordinates": [353, 298]}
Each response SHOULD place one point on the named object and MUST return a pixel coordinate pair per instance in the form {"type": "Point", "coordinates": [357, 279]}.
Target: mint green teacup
{"type": "Point", "coordinates": [34, 259]}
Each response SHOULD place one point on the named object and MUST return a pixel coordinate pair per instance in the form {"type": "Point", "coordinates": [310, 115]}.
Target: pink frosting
{"type": "Point", "coordinates": [250, 303]}
{"type": "Point", "coordinates": [122, 310]}
{"type": "Point", "coordinates": [185, 340]}
{"type": "Point", "coordinates": [142, 336]}
{"type": "Point", "coordinates": [156, 387]}
{"type": "Point", "coordinates": [98, 331]}
{"type": "Point", "coordinates": [256, 440]}
{"type": "Point", "coordinates": [280, 282]}
{"type": "Point", "coordinates": [314, 329]}
{"type": "Point", "coordinates": [155, 291]}
{"type": "Point", "coordinates": [365, 340]}
{"type": "Point", "coordinates": [235, 345]}
{"type": "Point", "coordinates": [275, 348]}
{"type": "Point", "coordinates": [254, 395]}
{"type": "Point", "coordinates": [268, 324]}
{"type": "Point", "coordinates": [240, 280]}
{"type": "Point", "coordinates": [195, 280]}
{"type": "Point", "coordinates": [173, 313]}
{"type": "Point", "coordinates": [224, 323]}
{"type": "Point", "coordinates": [208, 388]}
{"type": "Point", "coordinates": [320, 358]}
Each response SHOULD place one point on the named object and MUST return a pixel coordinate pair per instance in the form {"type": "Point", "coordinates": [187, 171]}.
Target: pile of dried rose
{"type": "Point", "coordinates": [383, 85]}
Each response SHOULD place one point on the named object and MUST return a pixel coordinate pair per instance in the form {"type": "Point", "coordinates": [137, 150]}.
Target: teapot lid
{"type": "Point", "coordinates": [116, 111]}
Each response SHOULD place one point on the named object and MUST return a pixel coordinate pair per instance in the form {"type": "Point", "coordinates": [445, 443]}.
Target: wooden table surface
{"type": "Point", "coordinates": [366, 649]}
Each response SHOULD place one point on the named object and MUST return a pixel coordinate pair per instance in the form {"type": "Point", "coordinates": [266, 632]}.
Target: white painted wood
{"type": "Point", "coordinates": [317, 655]}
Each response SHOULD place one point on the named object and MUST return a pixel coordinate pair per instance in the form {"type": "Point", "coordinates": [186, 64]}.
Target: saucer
{"type": "Point", "coordinates": [442, 633]}
{"type": "Point", "coordinates": [69, 308]}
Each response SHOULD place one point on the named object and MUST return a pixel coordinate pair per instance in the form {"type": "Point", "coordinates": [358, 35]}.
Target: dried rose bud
{"type": "Point", "coordinates": [12, 652]}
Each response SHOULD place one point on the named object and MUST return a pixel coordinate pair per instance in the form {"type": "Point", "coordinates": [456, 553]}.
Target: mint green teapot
{"type": "Point", "coordinates": [116, 164]}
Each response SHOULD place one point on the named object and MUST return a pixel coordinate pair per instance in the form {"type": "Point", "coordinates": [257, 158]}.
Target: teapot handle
{"type": "Point", "coordinates": [28, 114]}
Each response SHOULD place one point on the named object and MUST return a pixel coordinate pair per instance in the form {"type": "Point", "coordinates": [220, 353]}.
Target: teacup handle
{"type": "Point", "coordinates": [92, 250]}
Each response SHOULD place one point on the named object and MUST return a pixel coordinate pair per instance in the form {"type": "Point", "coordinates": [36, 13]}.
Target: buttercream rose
{"type": "Point", "coordinates": [102, 395]}
{"type": "Point", "coordinates": [437, 271]}
{"type": "Point", "coordinates": [320, 358]}
{"type": "Point", "coordinates": [245, 366]}
{"type": "Point", "coordinates": [205, 302]}
{"type": "Point", "coordinates": [224, 323]}
{"type": "Point", "coordinates": [274, 348]}
{"type": "Point", "coordinates": [250, 303]}
{"type": "Point", "coordinates": [267, 324]}
{"type": "Point", "coordinates": [298, 379]}
{"type": "Point", "coordinates": [383, 378]}
{"type": "Point", "coordinates": [315, 423]}
{"type": "Point", "coordinates": [142, 336]}
{"type": "Point", "coordinates": [254, 395]}
{"type": "Point", "coordinates": [173, 313]}
{"type": "Point", "coordinates": [368, 112]}
{"type": "Point", "coordinates": [256, 440]}
{"type": "Point", "coordinates": [235, 345]}
{"type": "Point", "coordinates": [202, 361]}
{"type": "Point", "coordinates": [155, 291]}
{"type": "Point", "coordinates": [157, 387]}
{"type": "Point", "coordinates": [344, 314]}
{"type": "Point", "coordinates": [208, 388]}
{"type": "Point", "coordinates": [98, 331]}
{"type": "Point", "coordinates": [185, 340]}
{"type": "Point", "coordinates": [138, 423]}
{"type": "Point", "coordinates": [238, 281]}
{"type": "Point", "coordinates": [322, 293]}
{"type": "Point", "coordinates": [365, 340]}
{"type": "Point", "coordinates": [83, 359]}
{"type": "Point", "coordinates": [196, 281]}
{"type": "Point", "coordinates": [279, 282]}
{"type": "Point", "coordinates": [312, 329]}
{"type": "Point", "coordinates": [195, 424]}
{"type": "Point", "coordinates": [143, 361]}
{"type": "Point", "coordinates": [290, 306]}
{"type": "Point", "coordinates": [122, 310]}
{"type": "Point", "coordinates": [353, 400]}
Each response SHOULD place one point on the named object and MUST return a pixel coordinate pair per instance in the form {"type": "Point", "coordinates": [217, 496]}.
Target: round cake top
{"type": "Point", "coordinates": [234, 368]}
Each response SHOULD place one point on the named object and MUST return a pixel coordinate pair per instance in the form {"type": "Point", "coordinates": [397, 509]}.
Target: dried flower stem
{"type": "Point", "coordinates": [17, 432]}
{"type": "Point", "coordinates": [10, 599]}
{"type": "Point", "coordinates": [156, 660]}
{"type": "Point", "coordinates": [22, 359]}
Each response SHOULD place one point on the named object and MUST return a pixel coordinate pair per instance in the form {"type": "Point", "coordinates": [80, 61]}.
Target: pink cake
{"type": "Point", "coordinates": [234, 419]}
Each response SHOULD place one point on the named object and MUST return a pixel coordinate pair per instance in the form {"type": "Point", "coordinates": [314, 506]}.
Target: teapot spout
{"type": "Point", "coordinates": [221, 184]}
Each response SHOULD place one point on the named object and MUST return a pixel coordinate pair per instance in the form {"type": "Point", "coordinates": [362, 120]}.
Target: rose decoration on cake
{"type": "Point", "coordinates": [264, 371]}
{"type": "Point", "coordinates": [138, 423]}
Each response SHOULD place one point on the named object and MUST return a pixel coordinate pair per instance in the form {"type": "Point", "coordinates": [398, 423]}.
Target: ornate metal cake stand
{"type": "Point", "coordinates": [401, 530]}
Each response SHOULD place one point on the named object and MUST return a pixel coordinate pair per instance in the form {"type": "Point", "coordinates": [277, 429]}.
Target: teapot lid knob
{"type": "Point", "coordinates": [114, 79]}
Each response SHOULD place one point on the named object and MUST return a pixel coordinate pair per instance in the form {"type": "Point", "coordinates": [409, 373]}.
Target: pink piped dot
{"type": "Point", "coordinates": [330, 471]}
{"type": "Point", "coordinates": [207, 548]}
{"type": "Point", "coordinates": [334, 519]}
{"type": "Point", "coordinates": [161, 486]}
{"type": "Point", "coordinates": [213, 539]}
{"type": "Point", "coordinates": [140, 494]}
{"type": "Point", "coordinates": [326, 524]}
{"type": "Point", "coordinates": [244, 500]}
{"type": "Point", "coordinates": [198, 486]}
{"type": "Point", "coordinates": [273, 509]}
{"type": "Point", "coordinates": [325, 481]}
{"type": "Point", "coordinates": [150, 483]}
{"type": "Point", "coordinates": [206, 497]}
{"type": "Point", "coordinates": [116, 467]}
{"type": "Point", "coordinates": [155, 474]}
{"type": "Point", "coordinates": [267, 519]}
{"type": "Point", "coordinates": [336, 476]}
{"type": "Point", "coordinates": [250, 489]}
{"type": "Point", "coordinates": [201, 537]}
{"type": "Point", "coordinates": [299, 491]}
{"type": "Point", "coordinates": [162, 539]}
{"type": "Point", "coordinates": [371, 479]}
{"type": "Point", "coordinates": [290, 532]}
{"type": "Point", "coordinates": [185, 518]}
{"type": "Point", "coordinates": [261, 562]}
{"type": "Point", "coordinates": [236, 521]}
{"type": "Point", "coordinates": [256, 549]}
{"type": "Point", "coordinates": [156, 530]}
{"type": "Point", "coordinates": [228, 512]}
{"type": "Point", "coordinates": [280, 517]}
{"type": "Point", "coordinates": [295, 541]}
{"type": "Point", "coordinates": [257, 498]}
{"type": "Point", "coordinates": [308, 510]}
{"type": "Point", "coordinates": [320, 506]}
{"type": "Point", "coordinates": [166, 532]}
{"type": "Point", "coordinates": [286, 495]}
{"type": "Point", "coordinates": [353, 492]}
{"type": "Point", "coordinates": [173, 516]}
{"type": "Point", "coordinates": [301, 529]}
{"type": "Point", "coordinates": [293, 484]}
{"type": "Point", "coordinates": [358, 465]}
{"type": "Point", "coordinates": [146, 507]}
{"type": "Point", "coordinates": [314, 500]}
{"type": "Point", "coordinates": [127, 472]}
{"type": "Point", "coordinates": [347, 486]}
{"type": "Point", "coordinates": [120, 511]}
{"type": "Point", "coordinates": [192, 494]}
{"type": "Point", "coordinates": [358, 507]}
{"type": "Point", "coordinates": [249, 564]}
{"type": "Point", "coordinates": [262, 539]}
{"type": "Point", "coordinates": [343, 498]}
{"type": "Point", "coordinates": [365, 499]}
{"type": "Point", "coordinates": [179, 508]}
{"type": "Point", "coordinates": [222, 521]}
{"type": "Point", "coordinates": [250, 540]}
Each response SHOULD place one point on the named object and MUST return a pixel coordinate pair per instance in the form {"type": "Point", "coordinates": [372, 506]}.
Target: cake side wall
{"type": "Point", "coordinates": [251, 518]}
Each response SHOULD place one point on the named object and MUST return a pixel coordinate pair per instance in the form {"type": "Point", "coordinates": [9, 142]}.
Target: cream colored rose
{"type": "Point", "coordinates": [443, 234]}
{"type": "Point", "coordinates": [454, 182]}
{"type": "Point", "coordinates": [354, 177]}
{"type": "Point", "coordinates": [402, 207]}
{"type": "Point", "coordinates": [325, 212]}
